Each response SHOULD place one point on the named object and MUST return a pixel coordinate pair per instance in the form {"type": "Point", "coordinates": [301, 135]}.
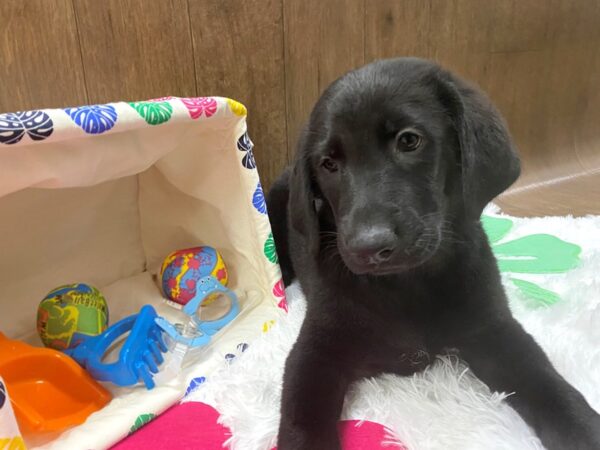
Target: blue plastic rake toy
{"type": "Point", "coordinates": [141, 354]}
{"type": "Point", "coordinates": [139, 357]}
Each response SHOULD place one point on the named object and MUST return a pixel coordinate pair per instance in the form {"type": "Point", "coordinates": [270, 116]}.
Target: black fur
{"type": "Point", "coordinates": [435, 287]}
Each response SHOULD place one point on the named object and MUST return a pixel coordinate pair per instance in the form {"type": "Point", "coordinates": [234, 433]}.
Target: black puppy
{"type": "Point", "coordinates": [379, 220]}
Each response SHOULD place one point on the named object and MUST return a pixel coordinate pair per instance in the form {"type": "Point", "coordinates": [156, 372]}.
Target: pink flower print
{"type": "Point", "coordinates": [279, 292]}
{"type": "Point", "coordinates": [196, 106]}
{"type": "Point", "coordinates": [278, 289]}
{"type": "Point", "coordinates": [283, 305]}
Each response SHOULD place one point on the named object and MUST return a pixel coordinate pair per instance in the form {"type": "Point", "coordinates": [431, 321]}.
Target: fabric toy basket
{"type": "Point", "coordinates": [100, 195]}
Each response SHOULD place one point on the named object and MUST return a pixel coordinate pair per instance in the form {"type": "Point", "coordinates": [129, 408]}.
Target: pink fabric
{"type": "Point", "coordinates": [185, 426]}
{"type": "Point", "coordinates": [194, 426]}
{"type": "Point", "coordinates": [365, 435]}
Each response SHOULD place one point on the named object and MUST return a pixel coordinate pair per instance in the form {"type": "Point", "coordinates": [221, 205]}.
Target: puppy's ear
{"type": "Point", "coordinates": [489, 159]}
{"type": "Point", "coordinates": [302, 213]}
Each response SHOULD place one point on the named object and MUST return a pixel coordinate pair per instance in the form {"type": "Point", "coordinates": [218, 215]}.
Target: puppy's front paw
{"type": "Point", "coordinates": [591, 440]}
{"type": "Point", "coordinates": [574, 433]}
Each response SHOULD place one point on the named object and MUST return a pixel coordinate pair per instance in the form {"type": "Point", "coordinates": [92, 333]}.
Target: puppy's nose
{"type": "Point", "coordinates": [372, 245]}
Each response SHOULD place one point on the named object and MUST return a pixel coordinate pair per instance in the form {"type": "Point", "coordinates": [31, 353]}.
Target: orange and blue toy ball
{"type": "Point", "coordinates": [182, 269]}
{"type": "Point", "coordinates": [70, 314]}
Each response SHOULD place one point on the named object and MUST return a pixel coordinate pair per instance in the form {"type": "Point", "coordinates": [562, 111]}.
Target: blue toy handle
{"type": "Point", "coordinates": [207, 286]}
{"type": "Point", "coordinates": [204, 287]}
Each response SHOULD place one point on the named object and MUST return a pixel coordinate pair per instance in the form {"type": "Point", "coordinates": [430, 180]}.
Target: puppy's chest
{"type": "Point", "coordinates": [395, 334]}
{"type": "Point", "coordinates": [392, 344]}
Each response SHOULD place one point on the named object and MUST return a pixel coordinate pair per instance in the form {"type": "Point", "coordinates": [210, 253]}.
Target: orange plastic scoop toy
{"type": "Point", "coordinates": [49, 391]}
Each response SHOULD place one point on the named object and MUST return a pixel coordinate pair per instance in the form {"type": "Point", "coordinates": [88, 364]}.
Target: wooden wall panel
{"type": "Point", "coordinates": [545, 89]}
{"type": "Point", "coordinates": [40, 60]}
{"type": "Point", "coordinates": [135, 49]}
{"type": "Point", "coordinates": [539, 60]}
{"type": "Point", "coordinates": [397, 28]}
{"type": "Point", "coordinates": [238, 48]}
{"type": "Point", "coordinates": [323, 40]}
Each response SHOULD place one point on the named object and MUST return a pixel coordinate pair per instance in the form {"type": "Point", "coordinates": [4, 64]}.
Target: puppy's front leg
{"type": "Point", "coordinates": [312, 398]}
{"type": "Point", "coordinates": [507, 359]}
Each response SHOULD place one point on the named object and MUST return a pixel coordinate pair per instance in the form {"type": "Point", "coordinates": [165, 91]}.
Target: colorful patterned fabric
{"type": "Point", "coordinates": [13, 126]}
{"type": "Point", "coordinates": [10, 436]}
{"type": "Point", "coordinates": [85, 146]}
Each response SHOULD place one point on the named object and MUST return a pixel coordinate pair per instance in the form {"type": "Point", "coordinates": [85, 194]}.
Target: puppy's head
{"type": "Point", "coordinates": [395, 157]}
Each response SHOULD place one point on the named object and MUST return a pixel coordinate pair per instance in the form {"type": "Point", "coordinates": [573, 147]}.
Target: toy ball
{"type": "Point", "coordinates": [69, 314]}
{"type": "Point", "coordinates": [182, 269]}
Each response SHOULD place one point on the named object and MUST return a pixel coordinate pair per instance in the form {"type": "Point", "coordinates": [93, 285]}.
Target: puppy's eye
{"type": "Point", "coordinates": [329, 165]}
{"type": "Point", "coordinates": [408, 141]}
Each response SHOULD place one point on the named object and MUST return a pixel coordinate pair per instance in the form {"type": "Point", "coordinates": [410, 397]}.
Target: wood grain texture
{"type": "Point", "coordinates": [323, 40]}
{"type": "Point", "coordinates": [40, 60]}
{"type": "Point", "coordinates": [576, 195]}
{"type": "Point", "coordinates": [135, 49]}
{"type": "Point", "coordinates": [537, 59]}
{"type": "Point", "coordinates": [238, 48]}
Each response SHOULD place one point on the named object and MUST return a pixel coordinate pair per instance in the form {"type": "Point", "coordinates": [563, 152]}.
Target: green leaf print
{"type": "Point", "coordinates": [537, 253]}
{"type": "Point", "coordinates": [141, 420]}
{"type": "Point", "coordinates": [539, 295]}
{"type": "Point", "coordinates": [533, 254]}
{"type": "Point", "coordinates": [154, 113]}
{"type": "Point", "coordinates": [269, 249]}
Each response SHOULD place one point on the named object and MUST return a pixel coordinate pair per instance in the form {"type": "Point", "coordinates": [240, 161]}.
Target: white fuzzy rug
{"type": "Point", "coordinates": [445, 407]}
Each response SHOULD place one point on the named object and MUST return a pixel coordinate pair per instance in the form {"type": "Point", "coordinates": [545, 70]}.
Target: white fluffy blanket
{"type": "Point", "coordinates": [445, 407]}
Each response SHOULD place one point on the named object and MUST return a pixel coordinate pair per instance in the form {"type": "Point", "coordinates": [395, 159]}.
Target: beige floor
{"type": "Point", "coordinates": [577, 196]}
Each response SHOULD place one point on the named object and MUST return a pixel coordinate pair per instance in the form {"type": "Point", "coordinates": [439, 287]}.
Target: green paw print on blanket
{"type": "Point", "coordinates": [534, 253]}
